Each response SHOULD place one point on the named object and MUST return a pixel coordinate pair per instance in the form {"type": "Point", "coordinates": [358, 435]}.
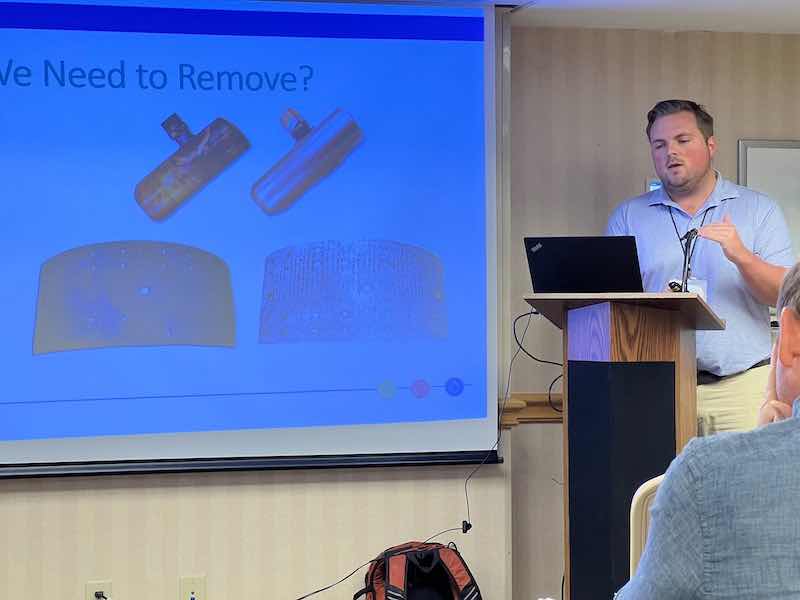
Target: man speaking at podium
{"type": "Point", "coordinates": [739, 258]}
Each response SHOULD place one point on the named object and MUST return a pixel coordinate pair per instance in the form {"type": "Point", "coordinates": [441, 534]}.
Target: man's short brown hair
{"type": "Point", "coordinates": [705, 122]}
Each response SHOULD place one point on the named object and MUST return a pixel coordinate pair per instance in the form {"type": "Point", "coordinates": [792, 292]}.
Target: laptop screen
{"type": "Point", "coordinates": [583, 264]}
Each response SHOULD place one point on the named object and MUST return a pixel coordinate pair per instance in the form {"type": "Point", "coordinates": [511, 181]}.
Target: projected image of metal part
{"type": "Point", "coordinates": [199, 159]}
{"type": "Point", "coordinates": [133, 293]}
{"type": "Point", "coordinates": [316, 153]}
{"type": "Point", "coordinates": [365, 290]}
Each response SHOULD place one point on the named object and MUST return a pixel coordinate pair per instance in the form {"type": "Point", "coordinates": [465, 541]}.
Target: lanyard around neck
{"type": "Point", "coordinates": [675, 225]}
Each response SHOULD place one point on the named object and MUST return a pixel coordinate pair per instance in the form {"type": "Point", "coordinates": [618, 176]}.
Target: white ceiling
{"type": "Point", "coordinates": [763, 16]}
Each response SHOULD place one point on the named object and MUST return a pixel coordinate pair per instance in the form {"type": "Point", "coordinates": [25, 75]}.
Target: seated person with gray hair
{"type": "Point", "coordinates": [725, 522]}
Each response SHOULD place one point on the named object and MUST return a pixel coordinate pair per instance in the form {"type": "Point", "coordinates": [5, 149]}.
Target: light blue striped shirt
{"type": "Point", "coordinates": [761, 227]}
{"type": "Point", "coordinates": [725, 522]}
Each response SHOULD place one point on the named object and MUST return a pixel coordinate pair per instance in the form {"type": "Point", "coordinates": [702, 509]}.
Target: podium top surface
{"type": "Point", "coordinates": [698, 313]}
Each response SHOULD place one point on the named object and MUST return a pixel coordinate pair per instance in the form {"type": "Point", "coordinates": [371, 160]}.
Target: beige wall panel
{"type": "Point", "coordinates": [579, 99]}
{"type": "Point", "coordinates": [538, 514]}
{"type": "Point", "coordinates": [255, 535]}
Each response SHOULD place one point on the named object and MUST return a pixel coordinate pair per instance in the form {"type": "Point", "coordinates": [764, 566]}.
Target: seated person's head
{"type": "Point", "coordinates": [786, 356]}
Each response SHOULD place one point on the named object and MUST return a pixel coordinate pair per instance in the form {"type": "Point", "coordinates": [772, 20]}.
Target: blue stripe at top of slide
{"type": "Point", "coordinates": [83, 17]}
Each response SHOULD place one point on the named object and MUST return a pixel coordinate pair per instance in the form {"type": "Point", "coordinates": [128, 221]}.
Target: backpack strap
{"type": "Point", "coordinates": [467, 588]}
{"type": "Point", "coordinates": [396, 571]}
{"type": "Point", "coordinates": [362, 592]}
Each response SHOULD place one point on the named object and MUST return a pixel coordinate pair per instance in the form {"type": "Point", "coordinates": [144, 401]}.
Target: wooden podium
{"type": "Point", "coordinates": [629, 407]}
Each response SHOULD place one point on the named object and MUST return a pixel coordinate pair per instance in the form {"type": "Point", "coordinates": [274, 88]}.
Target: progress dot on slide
{"type": "Point", "coordinates": [387, 389]}
{"type": "Point", "coordinates": [454, 386]}
{"type": "Point", "coordinates": [420, 388]}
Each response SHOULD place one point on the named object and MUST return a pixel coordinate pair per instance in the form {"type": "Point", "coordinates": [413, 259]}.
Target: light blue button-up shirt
{"type": "Point", "coordinates": [725, 522]}
{"type": "Point", "coordinates": [761, 227]}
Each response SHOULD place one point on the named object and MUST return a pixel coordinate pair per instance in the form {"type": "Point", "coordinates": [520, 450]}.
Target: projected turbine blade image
{"type": "Point", "coordinates": [316, 153]}
{"type": "Point", "coordinates": [133, 293]}
{"type": "Point", "coordinates": [365, 290]}
{"type": "Point", "coordinates": [199, 159]}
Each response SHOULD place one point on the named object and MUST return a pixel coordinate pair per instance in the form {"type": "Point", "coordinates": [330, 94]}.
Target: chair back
{"type": "Point", "coordinates": [640, 518]}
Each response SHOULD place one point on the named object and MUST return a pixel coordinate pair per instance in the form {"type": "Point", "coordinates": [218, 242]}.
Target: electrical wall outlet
{"type": "Point", "coordinates": [192, 587]}
{"type": "Point", "coordinates": [98, 585]}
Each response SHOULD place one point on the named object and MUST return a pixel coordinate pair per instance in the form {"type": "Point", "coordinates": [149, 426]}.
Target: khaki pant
{"type": "Point", "coordinates": [731, 404]}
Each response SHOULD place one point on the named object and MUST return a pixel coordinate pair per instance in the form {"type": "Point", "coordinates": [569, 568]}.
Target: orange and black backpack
{"type": "Point", "coordinates": [419, 571]}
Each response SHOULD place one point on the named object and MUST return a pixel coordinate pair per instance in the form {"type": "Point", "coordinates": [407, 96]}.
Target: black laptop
{"type": "Point", "coordinates": [583, 264]}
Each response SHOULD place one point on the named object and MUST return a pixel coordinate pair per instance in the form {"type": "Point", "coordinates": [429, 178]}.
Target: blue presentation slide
{"type": "Point", "coordinates": [222, 219]}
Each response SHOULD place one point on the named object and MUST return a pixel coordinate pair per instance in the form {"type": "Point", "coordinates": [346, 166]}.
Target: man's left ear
{"type": "Point", "coordinates": [789, 338]}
